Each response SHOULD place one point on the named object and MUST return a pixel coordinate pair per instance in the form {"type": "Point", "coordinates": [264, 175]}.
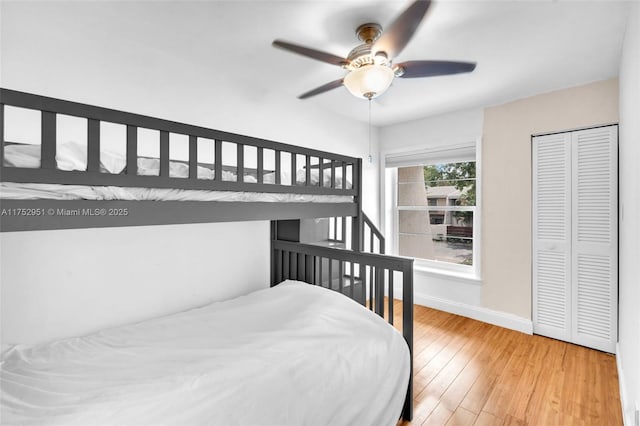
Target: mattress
{"type": "Point", "coordinates": [294, 354]}
{"type": "Point", "coordinates": [33, 191]}
{"type": "Point", "coordinates": [72, 156]}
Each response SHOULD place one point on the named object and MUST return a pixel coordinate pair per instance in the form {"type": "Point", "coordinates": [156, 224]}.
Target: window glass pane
{"type": "Point", "coordinates": [441, 235]}
{"type": "Point", "coordinates": [451, 184]}
{"type": "Point", "coordinates": [411, 186]}
{"type": "Point", "coordinates": [436, 204]}
{"type": "Point", "coordinates": [453, 240]}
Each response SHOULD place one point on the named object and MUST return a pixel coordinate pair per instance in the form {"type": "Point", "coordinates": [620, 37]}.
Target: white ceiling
{"type": "Point", "coordinates": [521, 47]}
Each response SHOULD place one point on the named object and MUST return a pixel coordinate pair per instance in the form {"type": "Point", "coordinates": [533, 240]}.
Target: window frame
{"type": "Point", "coordinates": [390, 210]}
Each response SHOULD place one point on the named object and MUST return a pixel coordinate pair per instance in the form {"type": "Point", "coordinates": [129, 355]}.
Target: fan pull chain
{"type": "Point", "coordinates": [370, 156]}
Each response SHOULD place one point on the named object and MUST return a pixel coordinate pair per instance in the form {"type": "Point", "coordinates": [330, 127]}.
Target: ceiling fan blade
{"type": "Point", "coordinates": [398, 34]}
{"type": "Point", "coordinates": [311, 53]}
{"type": "Point", "coordinates": [321, 89]}
{"type": "Point", "coordinates": [417, 69]}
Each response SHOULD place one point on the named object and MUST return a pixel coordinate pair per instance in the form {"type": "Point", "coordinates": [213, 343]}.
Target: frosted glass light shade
{"type": "Point", "coordinates": [369, 81]}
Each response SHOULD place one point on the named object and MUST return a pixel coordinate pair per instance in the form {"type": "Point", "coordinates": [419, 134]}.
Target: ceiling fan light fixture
{"type": "Point", "coordinates": [369, 81]}
{"type": "Point", "coordinates": [370, 65]}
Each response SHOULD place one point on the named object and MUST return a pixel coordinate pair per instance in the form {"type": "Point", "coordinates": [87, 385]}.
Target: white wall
{"type": "Point", "coordinates": [63, 283]}
{"type": "Point", "coordinates": [446, 129]}
{"type": "Point", "coordinates": [629, 238]}
{"type": "Point", "coordinates": [450, 293]}
{"type": "Point", "coordinates": [71, 282]}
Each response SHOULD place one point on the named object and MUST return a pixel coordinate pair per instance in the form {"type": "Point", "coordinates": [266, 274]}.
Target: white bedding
{"type": "Point", "coordinates": [72, 156]}
{"type": "Point", "coordinates": [294, 354]}
{"type": "Point", "coordinates": [50, 191]}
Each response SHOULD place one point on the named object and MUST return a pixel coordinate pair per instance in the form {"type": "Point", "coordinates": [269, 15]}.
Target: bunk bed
{"type": "Point", "coordinates": [303, 165]}
{"type": "Point", "coordinates": [58, 184]}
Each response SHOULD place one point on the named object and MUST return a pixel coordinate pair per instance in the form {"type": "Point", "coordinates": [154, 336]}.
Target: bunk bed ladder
{"type": "Point", "coordinates": [376, 239]}
{"type": "Point", "coordinates": [371, 239]}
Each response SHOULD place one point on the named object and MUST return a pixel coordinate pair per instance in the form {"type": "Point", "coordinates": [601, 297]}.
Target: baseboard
{"type": "Point", "coordinates": [628, 411]}
{"type": "Point", "coordinates": [501, 319]}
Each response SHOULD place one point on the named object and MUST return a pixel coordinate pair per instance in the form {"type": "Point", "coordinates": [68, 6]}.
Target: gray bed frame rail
{"type": "Point", "coordinates": [43, 214]}
{"type": "Point", "coordinates": [361, 276]}
{"type": "Point", "coordinates": [365, 277]}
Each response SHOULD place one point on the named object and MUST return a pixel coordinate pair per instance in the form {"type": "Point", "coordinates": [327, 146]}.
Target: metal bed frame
{"type": "Point", "coordinates": [361, 276]}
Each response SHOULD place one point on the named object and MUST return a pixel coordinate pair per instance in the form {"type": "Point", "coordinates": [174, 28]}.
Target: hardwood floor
{"type": "Point", "coordinates": [468, 372]}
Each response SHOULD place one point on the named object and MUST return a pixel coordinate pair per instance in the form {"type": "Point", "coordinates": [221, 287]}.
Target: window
{"type": "Point", "coordinates": [433, 209]}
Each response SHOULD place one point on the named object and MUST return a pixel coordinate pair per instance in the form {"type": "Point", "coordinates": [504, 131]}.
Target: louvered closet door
{"type": "Point", "coordinates": [595, 237]}
{"type": "Point", "coordinates": [552, 236]}
{"type": "Point", "coordinates": [575, 230]}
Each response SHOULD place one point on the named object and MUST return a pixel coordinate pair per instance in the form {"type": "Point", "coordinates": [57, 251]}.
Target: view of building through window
{"type": "Point", "coordinates": [436, 205]}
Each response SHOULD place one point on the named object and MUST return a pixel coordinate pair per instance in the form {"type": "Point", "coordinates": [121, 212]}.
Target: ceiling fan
{"type": "Point", "coordinates": [370, 65]}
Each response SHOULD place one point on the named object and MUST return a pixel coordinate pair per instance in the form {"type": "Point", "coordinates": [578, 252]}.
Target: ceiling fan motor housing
{"type": "Point", "coordinates": [361, 55]}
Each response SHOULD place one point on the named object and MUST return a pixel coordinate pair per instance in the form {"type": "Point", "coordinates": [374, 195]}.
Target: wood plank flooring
{"type": "Point", "coordinates": [468, 372]}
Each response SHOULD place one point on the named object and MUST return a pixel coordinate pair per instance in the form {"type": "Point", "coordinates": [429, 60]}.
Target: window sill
{"type": "Point", "coordinates": [466, 277]}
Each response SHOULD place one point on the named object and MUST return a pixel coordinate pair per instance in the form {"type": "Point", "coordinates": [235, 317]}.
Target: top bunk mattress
{"type": "Point", "coordinates": [293, 354]}
{"type": "Point", "coordinates": [35, 191]}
